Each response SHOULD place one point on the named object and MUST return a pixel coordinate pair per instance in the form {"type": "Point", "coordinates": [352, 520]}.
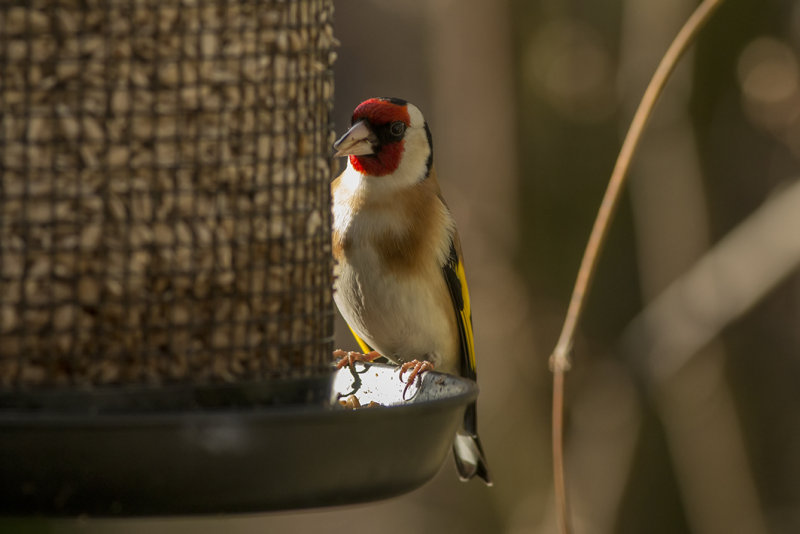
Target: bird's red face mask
{"type": "Point", "coordinates": [374, 141]}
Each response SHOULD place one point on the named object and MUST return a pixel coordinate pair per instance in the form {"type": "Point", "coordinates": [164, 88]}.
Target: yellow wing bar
{"type": "Point", "coordinates": [361, 343]}
{"type": "Point", "coordinates": [465, 316]}
{"type": "Point", "coordinates": [453, 270]}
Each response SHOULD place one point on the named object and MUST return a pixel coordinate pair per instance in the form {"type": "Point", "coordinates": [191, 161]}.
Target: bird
{"type": "Point", "coordinates": [399, 279]}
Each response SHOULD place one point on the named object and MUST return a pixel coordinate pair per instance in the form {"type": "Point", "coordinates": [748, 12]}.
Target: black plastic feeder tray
{"type": "Point", "coordinates": [274, 445]}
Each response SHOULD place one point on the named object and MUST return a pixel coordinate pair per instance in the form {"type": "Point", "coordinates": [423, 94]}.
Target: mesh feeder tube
{"type": "Point", "coordinates": [164, 191]}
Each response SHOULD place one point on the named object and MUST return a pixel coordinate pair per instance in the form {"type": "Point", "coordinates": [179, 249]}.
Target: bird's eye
{"type": "Point", "coordinates": [397, 128]}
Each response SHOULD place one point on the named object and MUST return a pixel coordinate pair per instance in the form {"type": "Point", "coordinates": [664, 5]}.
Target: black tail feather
{"type": "Point", "coordinates": [468, 451]}
{"type": "Point", "coordinates": [470, 459]}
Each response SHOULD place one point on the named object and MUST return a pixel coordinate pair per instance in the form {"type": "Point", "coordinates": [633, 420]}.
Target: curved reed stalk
{"type": "Point", "coordinates": [560, 358]}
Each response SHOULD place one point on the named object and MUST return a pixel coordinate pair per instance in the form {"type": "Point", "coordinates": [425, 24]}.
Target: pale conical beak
{"type": "Point", "coordinates": [357, 141]}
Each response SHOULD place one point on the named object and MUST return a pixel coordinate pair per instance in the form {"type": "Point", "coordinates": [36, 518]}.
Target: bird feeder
{"type": "Point", "coordinates": [165, 263]}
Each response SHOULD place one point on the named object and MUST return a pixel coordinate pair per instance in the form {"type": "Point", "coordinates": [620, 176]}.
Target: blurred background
{"type": "Point", "coordinates": [683, 402]}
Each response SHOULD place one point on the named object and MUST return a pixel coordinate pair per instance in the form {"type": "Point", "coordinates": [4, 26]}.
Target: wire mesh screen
{"type": "Point", "coordinates": [164, 190]}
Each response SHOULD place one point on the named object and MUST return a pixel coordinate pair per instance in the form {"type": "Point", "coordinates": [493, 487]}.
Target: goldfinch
{"type": "Point", "coordinates": [399, 275]}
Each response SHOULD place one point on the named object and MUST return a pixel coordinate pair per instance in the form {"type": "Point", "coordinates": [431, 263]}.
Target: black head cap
{"type": "Point", "coordinates": [394, 100]}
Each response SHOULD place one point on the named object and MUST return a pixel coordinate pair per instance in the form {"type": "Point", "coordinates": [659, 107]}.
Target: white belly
{"type": "Point", "coordinates": [401, 317]}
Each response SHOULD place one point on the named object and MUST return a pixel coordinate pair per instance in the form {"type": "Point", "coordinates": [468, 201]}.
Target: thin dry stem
{"type": "Point", "coordinates": [560, 360]}
{"type": "Point", "coordinates": [559, 482]}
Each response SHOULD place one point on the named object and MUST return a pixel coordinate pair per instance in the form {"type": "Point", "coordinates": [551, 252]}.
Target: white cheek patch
{"type": "Point", "coordinates": [415, 116]}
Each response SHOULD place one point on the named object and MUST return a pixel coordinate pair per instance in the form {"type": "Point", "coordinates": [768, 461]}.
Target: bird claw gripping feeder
{"type": "Point", "coordinates": [165, 267]}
